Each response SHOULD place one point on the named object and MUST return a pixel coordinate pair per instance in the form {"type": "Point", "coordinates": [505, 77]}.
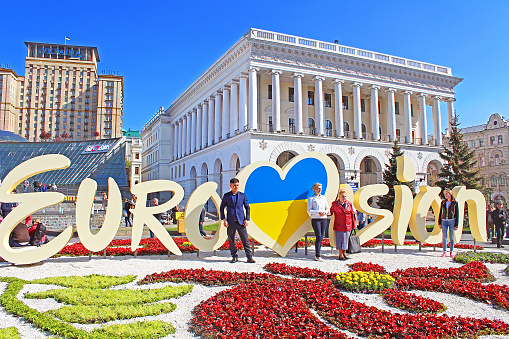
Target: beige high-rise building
{"type": "Point", "coordinates": [61, 96]}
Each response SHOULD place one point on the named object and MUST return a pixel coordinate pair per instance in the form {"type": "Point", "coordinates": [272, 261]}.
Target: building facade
{"type": "Point", "coordinates": [133, 154]}
{"type": "Point", "coordinates": [156, 148]}
{"type": "Point", "coordinates": [491, 144]}
{"type": "Point", "coordinates": [272, 96]}
{"type": "Point", "coordinates": [61, 96]}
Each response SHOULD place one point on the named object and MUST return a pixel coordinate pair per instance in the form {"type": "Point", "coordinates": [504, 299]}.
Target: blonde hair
{"type": "Point", "coordinates": [316, 185]}
{"type": "Point", "coordinates": [450, 192]}
{"type": "Point", "coordinates": [37, 220]}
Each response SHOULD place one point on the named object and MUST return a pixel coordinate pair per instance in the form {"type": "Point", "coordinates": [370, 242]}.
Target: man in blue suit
{"type": "Point", "coordinates": [235, 220]}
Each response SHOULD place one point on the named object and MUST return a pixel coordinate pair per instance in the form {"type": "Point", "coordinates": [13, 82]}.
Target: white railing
{"type": "Point", "coordinates": [336, 48]}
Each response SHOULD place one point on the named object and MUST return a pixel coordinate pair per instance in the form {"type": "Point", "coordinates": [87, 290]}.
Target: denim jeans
{"type": "Point", "coordinates": [448, 225]}
{"type": "Point", "coordinates": [319, 226]}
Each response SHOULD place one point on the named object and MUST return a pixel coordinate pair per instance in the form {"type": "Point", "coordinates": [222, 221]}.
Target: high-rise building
{"type": "Point", "coordinates": [61, 96]}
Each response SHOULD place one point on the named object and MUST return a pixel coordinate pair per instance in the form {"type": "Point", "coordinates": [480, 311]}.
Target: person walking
{"type": "Point", "coordinates": [200, 224]}
{"type": "Point", "coordinates": [104, 201]}
{"type": "Point", "coordinates": [344, 222]}
{"type": "Point", "coordinates": [25, 185]}
{"type": "Point", "coordinates": [489, 222]}
{"type": "Point", "coordinates": [500, 221]}
{"type": "Point", "coordinates": [361, 220]}
{"type": "Point", "coordinates": [448, 220]}
{"type": "Point", "coordinates": [127, 213]}
{"type": "Point", "coordinates": [155, 202]}
{"type": "Point", "coordinates": [235, 202]}
{"type": "Point", "coordinates": [318, 210]}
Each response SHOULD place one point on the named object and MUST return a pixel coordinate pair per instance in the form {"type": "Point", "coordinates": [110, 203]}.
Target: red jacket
{"type": "Point", "coordinates": [344, 218]}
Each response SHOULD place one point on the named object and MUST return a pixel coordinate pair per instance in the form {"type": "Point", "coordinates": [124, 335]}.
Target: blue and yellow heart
{"type": "Point", "coordinates": [278, 197]}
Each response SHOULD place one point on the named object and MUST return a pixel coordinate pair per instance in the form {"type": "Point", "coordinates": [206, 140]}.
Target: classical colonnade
{"type": "Point", "coordinates": [233, 109]}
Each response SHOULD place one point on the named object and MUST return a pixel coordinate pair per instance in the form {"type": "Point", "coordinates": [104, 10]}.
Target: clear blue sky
{"type": "Point", "coordinates": [161, 47]}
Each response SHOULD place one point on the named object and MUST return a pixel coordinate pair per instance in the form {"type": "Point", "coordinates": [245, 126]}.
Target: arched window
{"type": "Point", "coordinates": [328, 128]}
{"type": "Point", "coordinates": [311, 125]}
{"type": "Point", "coordinates": [346, 127]}
{"type": "Point", "coordinates": [364, 131]}
{"type": "Point", "coordinates": [501, 180]}
{"type": "Point", "coordinates": [493, 181]}
{"type": "Point", "coordinates": [497, 159]}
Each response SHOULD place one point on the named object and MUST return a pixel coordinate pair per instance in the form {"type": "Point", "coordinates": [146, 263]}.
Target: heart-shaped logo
{"type": "Point", "coordinates": [278, 197]}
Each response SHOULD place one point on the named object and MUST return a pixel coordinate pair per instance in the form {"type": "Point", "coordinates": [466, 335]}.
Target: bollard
{"type": "Point", "coordinates": [383, 238]}
{"type": "Point", "coordinates": [136, 253]}
{"type": "Point", "coordinates": [198, 253]}
{"type": "Point", "coordinates": [434, 248]}
{"type": "Point", "coordinates": [214, 253]}
{"type": "Point", "coordinates": [475, 247]}
{"type": "Point", "coordinates": [169, 253]}
{"type": "Point", "coordinates": [89, 255]}
{"type": "Point", "coordinates": [104, 253]}
{"type": "Point", "coordinates": [395, 248]}
{"type": "Point", "coordinates": [296, 246]}
{"type": "Point", "coordinates": [419, 246]}
{"type": "Point", "coordinates": [306, 244]}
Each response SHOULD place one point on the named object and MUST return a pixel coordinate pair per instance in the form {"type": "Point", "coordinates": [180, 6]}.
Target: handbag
{"type": "Point", "coordinates": [354, 243]}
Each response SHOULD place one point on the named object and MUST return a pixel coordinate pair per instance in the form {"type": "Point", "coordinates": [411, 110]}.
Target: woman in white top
{"type": "Point", "coordinates": [318, 210]}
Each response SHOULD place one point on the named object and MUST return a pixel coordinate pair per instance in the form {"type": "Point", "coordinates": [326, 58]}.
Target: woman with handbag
{"type": "Point", "coordinates": [318, 210]}
{"type": "Point", "coordinates": [344, 222]}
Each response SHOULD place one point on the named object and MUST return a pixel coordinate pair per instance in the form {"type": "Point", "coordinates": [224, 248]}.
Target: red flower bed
{"type": "Point", "coordinates": [259, 310]}
{"type": "Point", "coordinates": [387, 242]}
{"type": "Point", "coordinates": [411, 302]}
{"type": "Point", "coordinates": [206, 277]}
{"type": "Point", "coordinates": [497, 295]}
{"type": "Point", "coordinates": [148, 246]}
{"type": "Point", "coordinates": [366, 267]}
{"type": "Point", "coordinates": [298, 272]}
{"type": "Point", "coordinates": [474, 271]}
{"type": "Point", "coordinates": [460, 246]}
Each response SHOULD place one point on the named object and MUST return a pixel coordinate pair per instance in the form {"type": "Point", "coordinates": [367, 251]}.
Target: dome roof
{"type": "Point", "coordinates": [9, 136]}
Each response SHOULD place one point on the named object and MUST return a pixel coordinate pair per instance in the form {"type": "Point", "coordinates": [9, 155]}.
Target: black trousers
{"type": "Point", "coordinates": [500, 233]}
{"type": "Point", "coordinates": [236, 227]}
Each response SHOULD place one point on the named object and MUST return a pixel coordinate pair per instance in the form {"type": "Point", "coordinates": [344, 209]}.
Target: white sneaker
{"type": "Point", "coordinates": [318, 259]}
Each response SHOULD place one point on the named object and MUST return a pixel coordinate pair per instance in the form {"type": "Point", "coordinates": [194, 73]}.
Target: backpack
{"type": "Point", "coordinates": [38, 234]}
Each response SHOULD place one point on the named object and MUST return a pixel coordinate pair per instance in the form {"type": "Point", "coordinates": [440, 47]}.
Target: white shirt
{"type": "Point", "coordinates": [318, 203]}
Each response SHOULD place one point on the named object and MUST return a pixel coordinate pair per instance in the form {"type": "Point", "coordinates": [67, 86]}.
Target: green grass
{"type": "Point", "coordinates": [211, 227]}
{"type": "Point", "coordinates": [9, 333]}
{"type": "Point", "coordinates": [89, 281]}
{"type": "Point", "coordinates": [137, 330]}
{"type": "Point", "coordinates": [98, 297]}
{"type": "Point", "coordinates": [100, 314]}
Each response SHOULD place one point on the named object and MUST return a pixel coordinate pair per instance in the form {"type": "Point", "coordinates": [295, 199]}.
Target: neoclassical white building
{"type": "Point", "coordinates": [272, 96]}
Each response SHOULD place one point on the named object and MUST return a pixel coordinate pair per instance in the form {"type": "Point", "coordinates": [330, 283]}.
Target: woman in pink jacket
{"type": "Point", "coordinates": [344, 222]}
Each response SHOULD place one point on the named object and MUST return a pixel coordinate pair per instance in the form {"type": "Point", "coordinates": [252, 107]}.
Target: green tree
{"type": "Point", "coordinates": [459, 161]}
{"type": "Point", "coordinates": [391, 180]}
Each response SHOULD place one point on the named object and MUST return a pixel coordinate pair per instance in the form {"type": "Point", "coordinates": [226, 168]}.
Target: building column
{"type": "Point", "coordinates": [211, 132]}
{"type": "Point", "coordinates": [391, 113]}
{"type": "Point", "coordinates": [451, 114]}
{"type": "Point", "coordinates": [437, 121]}
{"type": "Point", "coordinates": [199, 129]}
{"type": "Point", "coordinates": [225, 125]}
{"type": "Point", "coordinates": [205, 124]}
{"type": "Point", "coordinates": [276, 101]}
{"type": "Point", "coordinates": [357, 117]}
{"type": "Point", "coordinates": [179, 151]}
{"type": "Point", "coordinates": [234, 108]}
{"type": "Point", "coordinates": [175, 141]}
{"type": "Point", "coordinates": [193, 130]}
{"type": "Point", "coordinates": [184, 135]}
{"type": "Point", "coordinates": [423, 121]}
{"type": "Point", "coordinates": [319, 105]}
{"type": "Point", "coordinates": [253, 99]}
{"type": "Point", "coordinates": [375, 115]}
{"type": "Point", "coordinates": [408, 116]}
{"type": "Point", "coordinates": [189, 133]}
{"type": "Point", "coordinates": [217, 113]}
{"type": "Point", "coordinates": [297, 102]}
{"type": "Point", "coordinates": [338, 107]}
{"type": "Point", "coordinates": [243, 103]}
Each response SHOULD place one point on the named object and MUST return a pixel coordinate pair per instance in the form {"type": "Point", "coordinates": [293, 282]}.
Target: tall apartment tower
{"type": "Point", "coordinates": [61, 95]}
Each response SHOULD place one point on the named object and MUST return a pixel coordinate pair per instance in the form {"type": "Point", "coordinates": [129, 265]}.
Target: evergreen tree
{"type": "Point", "coordinates": [391, 180]}
{"type": "Point", "coordinates": [459, 161]}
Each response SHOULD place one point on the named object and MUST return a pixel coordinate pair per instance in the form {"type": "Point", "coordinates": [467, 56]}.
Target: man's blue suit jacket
{"type": "Point", "coordinates": [235, 211]}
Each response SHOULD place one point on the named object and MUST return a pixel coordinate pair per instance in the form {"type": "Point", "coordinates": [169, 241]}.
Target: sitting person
{"type": "Point", "coordinates": [37, 233]}
{"type": "Point", "coordinates": [19, 236]}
